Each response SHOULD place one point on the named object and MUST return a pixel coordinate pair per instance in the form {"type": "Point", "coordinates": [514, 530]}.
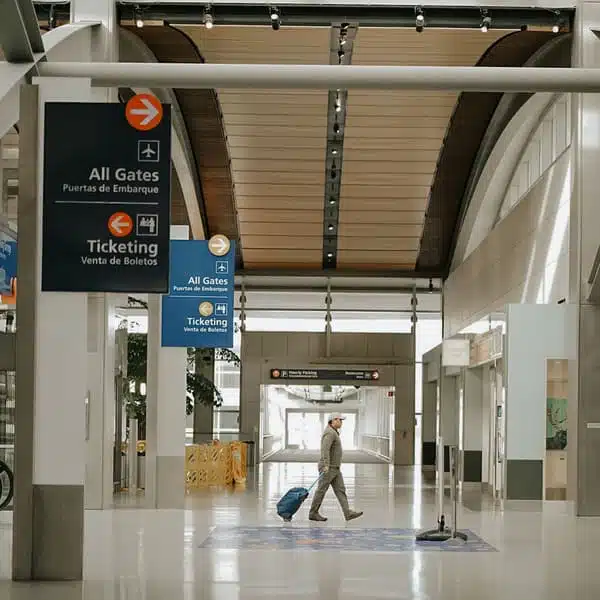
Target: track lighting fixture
{"type": "Point", "coordinates": [486, 21]}
{"type": "Point", "coordinates": [336, 128]}
{"type": "Point", "coordinates": [341, 55]}
{"type": "Point", "coordinates": [431, 286]}
{"type": "Point", "coordinates": [330, 255]}
{"type": "Point", "coordinates": [330, 227]}
{"type": "Point", "coordinates": [51, 17]}
{"type": "Point", "coordinates": [275, 18]}
{"type": "Point", "coordinates": [419, 19]}
{"type": "Point", "coordinates": [208, 18]}
{"type": "Point", "coordinates": [331, 201]}
{"type": "Point", "coordinates": [138, 17]}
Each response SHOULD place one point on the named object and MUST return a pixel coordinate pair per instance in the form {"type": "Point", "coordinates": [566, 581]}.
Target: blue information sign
{"type": "Point", "coordinates": [199, 312]}
{"type": "Point", "coordinates": [8, 264]}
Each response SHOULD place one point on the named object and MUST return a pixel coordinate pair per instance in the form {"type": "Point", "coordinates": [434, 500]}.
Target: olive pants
{"type": "Point", "coordinates": [335, 479]}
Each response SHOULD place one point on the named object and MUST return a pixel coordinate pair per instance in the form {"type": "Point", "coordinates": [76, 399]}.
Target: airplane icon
{"type": "Point", "coordinates": [148, 150]}
{"type": "Point", "coordinates": [222, 267]}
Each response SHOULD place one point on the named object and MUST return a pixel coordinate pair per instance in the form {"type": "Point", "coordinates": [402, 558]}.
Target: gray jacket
{"type": "Point", "coordinates": [331, 449]}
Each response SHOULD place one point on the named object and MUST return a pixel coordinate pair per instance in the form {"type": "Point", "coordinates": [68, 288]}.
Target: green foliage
{"type": "Point", "coordinates": [200, 389]}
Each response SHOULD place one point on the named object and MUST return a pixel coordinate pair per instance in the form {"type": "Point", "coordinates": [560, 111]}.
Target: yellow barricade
{"type": "Point", "coordinates": [238, 461]}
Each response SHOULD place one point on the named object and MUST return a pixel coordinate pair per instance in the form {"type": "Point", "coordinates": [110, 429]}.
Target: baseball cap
{"type": "Point", "coordinates": [335, 416]}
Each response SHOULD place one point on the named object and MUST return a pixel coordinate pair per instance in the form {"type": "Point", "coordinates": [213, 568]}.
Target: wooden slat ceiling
{"type": "Point", "coordinates": [277, 143]}
{"type": "Point", "coordinates": [391, 146]}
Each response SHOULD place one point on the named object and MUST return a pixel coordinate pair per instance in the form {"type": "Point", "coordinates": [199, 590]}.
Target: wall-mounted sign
{"type": "Point", "coordinates": [199, 310]}
{"type": "Point", "coordinates": [107, 197]}
{"type": "Point", "coordinates": [325, 374]}
{"type": "Point", "coordinates": [456, 353]}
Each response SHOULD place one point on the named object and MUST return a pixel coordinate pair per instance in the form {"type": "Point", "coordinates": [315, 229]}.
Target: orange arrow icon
{"type": "Point", "coordinates": [120, 224]}
{"type": "Point", "coordinates": [144, 112]}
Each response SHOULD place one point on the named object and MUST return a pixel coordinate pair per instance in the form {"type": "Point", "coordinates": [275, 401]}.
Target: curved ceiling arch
{"type": "Point", "coordinates": [187, 203]}
{"type": "Point", "coordinates": [513, 124]}
{"type": "Point", "coordinates": [202, 114]}
{"type": "Point", "coordinates": [474, 127]}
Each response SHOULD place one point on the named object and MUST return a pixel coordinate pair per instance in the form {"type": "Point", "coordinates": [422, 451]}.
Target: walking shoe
{"type": "Point", "coordinates": [354, 515]}
{"type": "Point", "coordinates": [317, 517]}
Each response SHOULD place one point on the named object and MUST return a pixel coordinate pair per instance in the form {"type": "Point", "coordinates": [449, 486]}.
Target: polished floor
{"type": "Point", "coordinates": [540, 551]}
{"type": "Point", "coordinates": [361, 457]}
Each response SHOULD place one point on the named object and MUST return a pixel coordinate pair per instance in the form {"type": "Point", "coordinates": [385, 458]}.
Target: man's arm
{"type": "Point", "coordinates": [326, 442]}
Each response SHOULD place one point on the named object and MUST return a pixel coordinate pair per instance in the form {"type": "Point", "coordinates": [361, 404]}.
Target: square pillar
{"type": "Point", "coordinates": [51, 376]}
{"type": "Point", "coordinates": [103, 322]}
{"type": "Point", "coordinates": [584, 372]}
{"type": "Point", "coordinates": [472, 425]}
{"type": "Point", "coordinates": [165, 410]}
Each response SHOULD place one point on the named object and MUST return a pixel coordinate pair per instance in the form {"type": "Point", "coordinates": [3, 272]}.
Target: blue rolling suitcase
{"type": "Point", "coordinates": [289, 504]}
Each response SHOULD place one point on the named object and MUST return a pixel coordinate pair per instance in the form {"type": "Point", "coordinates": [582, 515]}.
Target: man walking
{"type": "Point", "coordinates": [329, 468]}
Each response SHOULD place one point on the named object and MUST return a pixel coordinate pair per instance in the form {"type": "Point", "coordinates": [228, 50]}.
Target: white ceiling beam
{"type": "Point", "coordinates": [205, 76]}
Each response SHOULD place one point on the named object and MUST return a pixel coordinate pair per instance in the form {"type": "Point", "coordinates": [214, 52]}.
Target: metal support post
{"type": "Point", "coordinates": [441, 533]}
{"type": "Point", "coordinates": [243, 307]}
{"type": "Point", "coordinates": [328, 302]}
{"type": "Point", "coordinates": [132, 470]}
{"type": "Point", "coordinates": [454, 478]}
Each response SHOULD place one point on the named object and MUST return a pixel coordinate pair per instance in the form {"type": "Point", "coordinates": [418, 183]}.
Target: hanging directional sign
{"type": "Point", "coordinates": [107, 190]}
{"type": "Point", "coordinates": [325, 374]}
{"type": "Point", "coordinates": [199, 310]}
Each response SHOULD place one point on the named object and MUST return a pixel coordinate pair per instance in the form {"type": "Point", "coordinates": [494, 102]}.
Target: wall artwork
{"type": "Point", "coordinates": [556, 404]}
{"type": "Point", "coordinates": [556, 423]}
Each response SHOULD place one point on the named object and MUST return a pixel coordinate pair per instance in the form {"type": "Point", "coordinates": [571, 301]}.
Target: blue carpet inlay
{"type": "Point", "coordinates": [327, 538]}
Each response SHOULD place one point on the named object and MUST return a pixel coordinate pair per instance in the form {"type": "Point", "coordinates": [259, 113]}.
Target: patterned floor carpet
{"type": "Point", "coordinates": [324, 538]}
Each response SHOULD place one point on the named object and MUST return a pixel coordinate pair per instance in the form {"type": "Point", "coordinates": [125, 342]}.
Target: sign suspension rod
{"type": "Point", "coordinates": [466, 79]}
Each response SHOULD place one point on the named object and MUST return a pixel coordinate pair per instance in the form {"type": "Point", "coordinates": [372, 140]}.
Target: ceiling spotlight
{"type": "Point", "coordinates": [138, 18]}
{"type": "Point", "coordinates": [336, 128]}
{"type": "Point", "coordinates": [344, 28]}
{"type": "Point", "coordinates": [342, 40]}
{"type": "Point", "coordinates": [431, 286]}
{"type": "Point", "coordinates": [341, 55]}
{"type": "Point", "coordinates": [486, 21]}
{"type": "Point", "coordinates": [556, 26]}
{"type": "Point", "coordinates": [419, 19]}
{"type": "Point", "coordinates": [208, 18]}
{"type": "Point", "coordinates": [275, 19]}
{"type": "Point", "coordinates": [330, 255]}
{"type": "Point", "coordinates": [334, 151]}
{"type": "Point", "coordinates": [332, 201]}
{"type": "Point", "coordinates": [330, 227]}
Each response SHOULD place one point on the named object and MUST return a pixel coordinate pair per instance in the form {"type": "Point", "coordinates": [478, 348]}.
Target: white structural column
{"type": "Point", "coordinates": [583, 444]}
{"type": "Point", "coordinates": [103, 321]}
{"type": "Point", "coordinates": [165, 412]}
{"type": "Point", "coordinates": [449, 414]}
{"type": "Point", "coordinates": [100, 412]}
{"type": "Point", "coordinates": [428, 419]}
{"type": "Point", "coordinates": [51, 377]}
{"type": "Point", "coordinates": [472, 428]}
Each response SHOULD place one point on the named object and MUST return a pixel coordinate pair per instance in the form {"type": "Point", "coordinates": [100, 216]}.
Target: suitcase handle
{"type": "Point", "coordinates": [315, 481]}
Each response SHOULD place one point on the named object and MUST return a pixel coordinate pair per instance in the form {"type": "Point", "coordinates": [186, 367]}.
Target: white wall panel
{"type": "Point", "coordinates": [523, 259]}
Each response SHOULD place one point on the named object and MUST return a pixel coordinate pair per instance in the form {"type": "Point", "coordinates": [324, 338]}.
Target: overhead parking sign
{"type": "Point", "coordinates": [107, 196]}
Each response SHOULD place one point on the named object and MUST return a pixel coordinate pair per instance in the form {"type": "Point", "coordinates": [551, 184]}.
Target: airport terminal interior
{"type": "Point", "coordinates": [247, 234]}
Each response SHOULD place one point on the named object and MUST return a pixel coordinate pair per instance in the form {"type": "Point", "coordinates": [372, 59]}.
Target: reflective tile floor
{"type": "Point", "coordinates": [209, 551]}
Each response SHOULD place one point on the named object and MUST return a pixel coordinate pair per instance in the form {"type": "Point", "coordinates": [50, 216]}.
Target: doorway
{"type": "Point", "coordinates": [304, 429]}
